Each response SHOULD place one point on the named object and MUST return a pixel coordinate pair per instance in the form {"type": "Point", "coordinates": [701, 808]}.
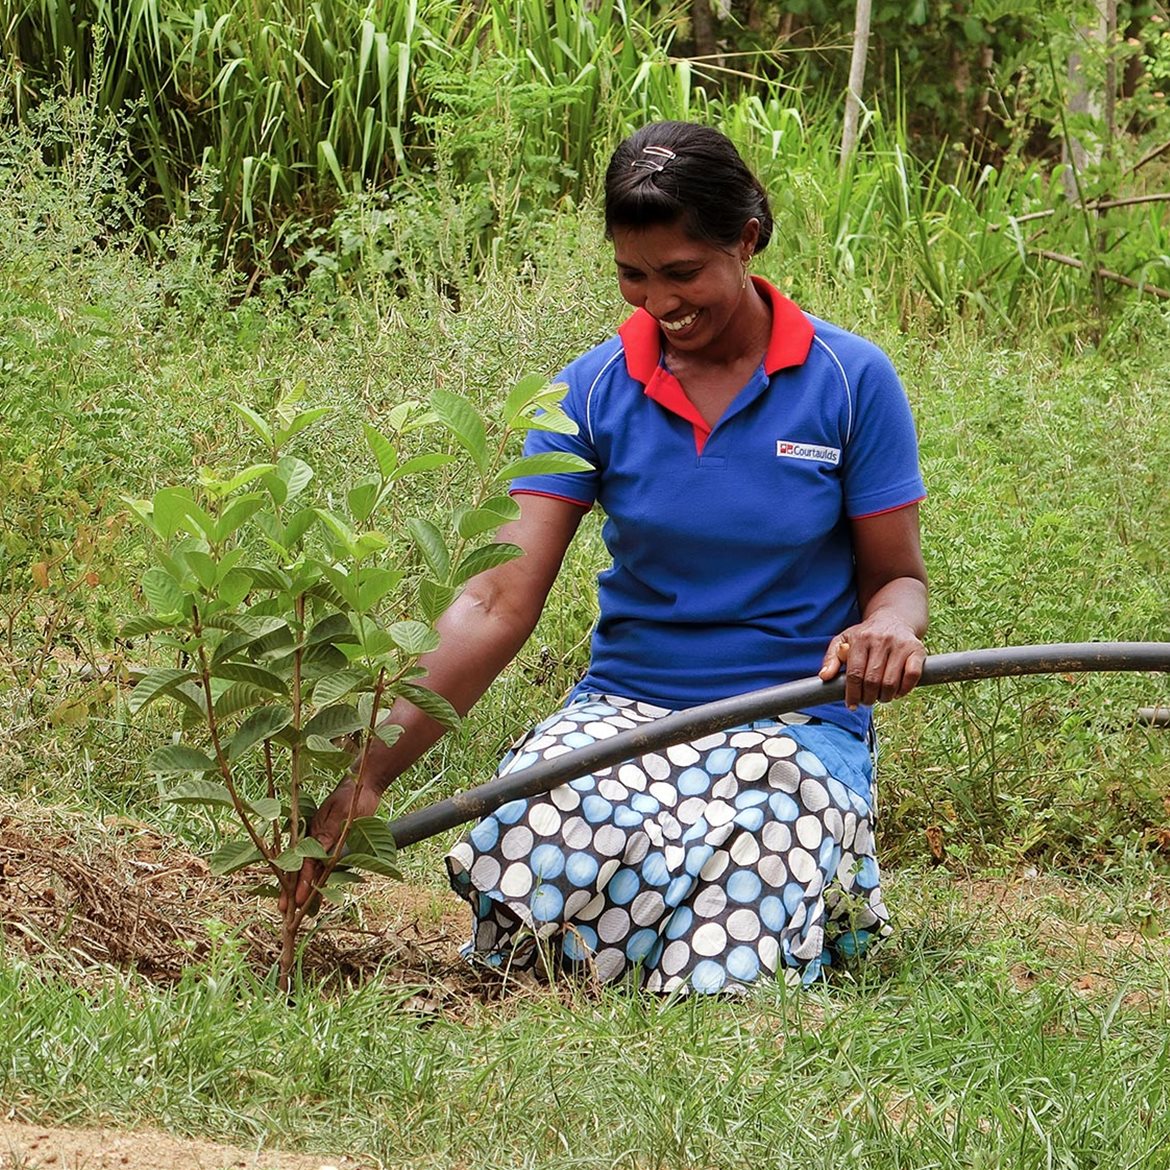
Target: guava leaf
{"type": "Point", "coordinates": [486, 557]}
{"type": "Point", "coordinates": [233, 855]}
{"type": "Point", "coordinates": [331, 722]}
{"type": "Point", "coordinates": [256, 675]}
{"type": "Point", "coordinates": [382, 450]}
{"type": "Point", "coordinates": [431, 704]}
{"type": "Point", "coordinates": [371, 835]}
{"type": "Point", "coordinates": [259, 726]}
{"type": "Point", "coordinates": [373, 864]}
{"type": "Point", "coordinates": [430, 543]}
{"type": "Point", "coordinates": [522, 396]}
{"type": "Point", "coordinates": [413, 637]}
{"type": "Point", "coordinates": [138, 627]}
{"type": "Point", "coordinates": [463, 421]}
{"type": "Point", "coordinates": [336, 686]}
{"type": "Point", "coordinates": [549, 463]}
{"type": "Point", "coordinates": [162, 592]}
{"type": "Point", "coordinates": [178, 757]}
{"type": "Point", "coordinates": [434, 598]}
{"type": "Point", "coordinates": [200, 791]}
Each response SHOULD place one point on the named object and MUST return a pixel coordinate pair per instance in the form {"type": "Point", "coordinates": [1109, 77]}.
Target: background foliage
{"type": "Point", "coordinates": [332, 136]}
{"type": "Point", "coordinates": [1044, 458]}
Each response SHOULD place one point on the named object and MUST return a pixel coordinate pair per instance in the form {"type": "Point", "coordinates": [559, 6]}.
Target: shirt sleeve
{"type": "Point", "coordinates": [881, 470]}
{"type": "Point", "coordinates": [579, 487]}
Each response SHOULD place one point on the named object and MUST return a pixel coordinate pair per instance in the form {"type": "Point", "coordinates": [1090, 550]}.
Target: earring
{"type": "Point", "coordinates": [743, 283]}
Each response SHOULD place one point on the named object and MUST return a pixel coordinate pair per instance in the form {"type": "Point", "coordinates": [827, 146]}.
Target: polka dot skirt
{"type": "Point", "coordinates": [702, 867]}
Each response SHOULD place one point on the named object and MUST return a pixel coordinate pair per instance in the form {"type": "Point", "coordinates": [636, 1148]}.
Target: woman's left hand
{"type": "Point", "coordinates": [882, 657]}
{"type": "Point", "coordinates": [883, 654]}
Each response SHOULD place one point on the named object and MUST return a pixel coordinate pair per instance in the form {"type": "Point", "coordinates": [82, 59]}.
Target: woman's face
{"type": "Point", "coordinates": [691, 287]}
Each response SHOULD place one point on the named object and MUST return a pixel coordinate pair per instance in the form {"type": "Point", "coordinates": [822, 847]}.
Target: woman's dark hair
{"type": "Point", "coordinates": [677, 171]}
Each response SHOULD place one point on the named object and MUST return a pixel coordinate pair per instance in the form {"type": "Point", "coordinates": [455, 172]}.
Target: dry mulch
{"type": "Point", "coordinates": [128, 899]}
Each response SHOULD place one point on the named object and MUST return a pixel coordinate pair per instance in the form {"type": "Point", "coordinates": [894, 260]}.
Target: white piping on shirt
{"type": "Point", "coordinates": [845, 380]}
{"type": "Point", "coordinates": [621, 353]}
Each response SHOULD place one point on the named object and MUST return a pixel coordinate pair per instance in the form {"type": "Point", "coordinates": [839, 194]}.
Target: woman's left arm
{"type": "Point", "coordinates": [883, 654]}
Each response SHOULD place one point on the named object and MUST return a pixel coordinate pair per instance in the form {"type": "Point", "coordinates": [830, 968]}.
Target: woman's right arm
{"type": "Point", "coordinates": [480, 634]}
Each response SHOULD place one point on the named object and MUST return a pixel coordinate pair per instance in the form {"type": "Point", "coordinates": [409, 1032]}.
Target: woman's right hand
{"type": "Point", "coordinates": [327, 826]}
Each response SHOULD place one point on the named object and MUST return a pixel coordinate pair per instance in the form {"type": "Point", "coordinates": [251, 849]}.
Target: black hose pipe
{"type": "Point", "coordinates": [695, 722]}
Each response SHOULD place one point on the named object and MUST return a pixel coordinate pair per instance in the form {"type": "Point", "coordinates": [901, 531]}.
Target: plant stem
{"type": "Point", "coordinates": [330, 864]}
{"type": "Point", "coordinates": [225, 768]}
{"type": "Point", "coordinates": [293, 916]}
{"type": "Point", "coordinates": [271, 791]}
{"type": "Point", "coordinates": [294, 827]}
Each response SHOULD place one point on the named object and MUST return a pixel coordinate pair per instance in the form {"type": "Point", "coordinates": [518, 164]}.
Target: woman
{"type": "Point", "coordinates": [758, 471]}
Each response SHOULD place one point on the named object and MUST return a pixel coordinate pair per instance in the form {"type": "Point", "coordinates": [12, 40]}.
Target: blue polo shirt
{"type": "Point", "coordinates": [732, 559]}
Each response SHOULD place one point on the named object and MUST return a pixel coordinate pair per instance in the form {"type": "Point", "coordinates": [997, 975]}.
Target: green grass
{"type": "Point", "coordinates": [1020, 1035]}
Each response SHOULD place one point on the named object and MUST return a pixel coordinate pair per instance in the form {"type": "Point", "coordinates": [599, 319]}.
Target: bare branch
{"type": "Point", "coordinates": [1099, 205]}
{"type": "Point", "coordinates": [1105, 274]}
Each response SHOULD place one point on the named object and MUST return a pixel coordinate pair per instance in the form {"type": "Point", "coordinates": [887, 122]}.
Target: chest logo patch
{"type": "Point", "coordinates": [787, 449]}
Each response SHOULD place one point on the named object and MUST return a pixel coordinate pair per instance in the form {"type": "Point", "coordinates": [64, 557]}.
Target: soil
{"type": "Point", "coordinates": [30, 1147]}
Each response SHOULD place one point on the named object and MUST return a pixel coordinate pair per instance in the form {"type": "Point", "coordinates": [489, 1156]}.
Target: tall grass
{"type": "Point", "coordinates": [291, 105]}
{"type": "Point", "coordinates": [333, 136]}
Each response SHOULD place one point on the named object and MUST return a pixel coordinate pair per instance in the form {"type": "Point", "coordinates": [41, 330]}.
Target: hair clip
{"type": "Point", "coordinates": [660, 157]}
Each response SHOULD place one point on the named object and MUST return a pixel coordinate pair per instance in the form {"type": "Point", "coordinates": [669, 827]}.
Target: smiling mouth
{"type": "Point", "coordinates": [680, 325]}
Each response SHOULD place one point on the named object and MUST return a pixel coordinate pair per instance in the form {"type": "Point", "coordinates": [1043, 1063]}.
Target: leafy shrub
{"type": "Point", "coordinates": [294, 623]}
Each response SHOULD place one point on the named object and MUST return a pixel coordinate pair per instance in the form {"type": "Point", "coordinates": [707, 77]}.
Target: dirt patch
{"type": "Point", "coordinates": [28, 1147]}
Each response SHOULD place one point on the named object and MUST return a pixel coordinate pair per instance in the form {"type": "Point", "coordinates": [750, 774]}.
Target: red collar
{"type": "Point", "coordinates": [792, 335]}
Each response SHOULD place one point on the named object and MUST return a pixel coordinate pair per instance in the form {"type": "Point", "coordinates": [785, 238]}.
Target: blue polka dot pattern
{"type": "Point", "coordinates": [772, 913]}
{"type": "Point", "coordinates": [680, 922]}
{"type": "Point", "coordinates": [546, 903]}
{"type": "Point", "coordinates": [719, 762]}
{"type": "Point", "coordinates": [693, 781]}
{"type": "Point", "coordinates": [743, 964]}
{"type": "Point", "coordinates": [751, 819]}
{"type": "Point", "coordinates": [486, 834]}
{"type": "Point", "coordinates": [580, 943]}
{"type": "Point", "coordinates": [581, 868]}
{"type": "Point", "coordinates": [547, 861]}
{"type": "Point", "coordinates": [703, 867]}
{"type": "Point", "coordinates": [783, 807]}
{"type": "Point", "coordinates": [596, 809]}
{"type": "Point", "coordinates": [678, 890]}
{"type": "Point", "coordinates": [708, 976]}
{"type": "Point", "coordinates": [640, 945]}
{"type": "Point", "coordinates": [510, 813]}
{"type": "Point", "coordinates": [623, 886]}
{"type": "Point", "coordinates": [743, 886]}
{"type": "Point", "coordinates": [655, 870]}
